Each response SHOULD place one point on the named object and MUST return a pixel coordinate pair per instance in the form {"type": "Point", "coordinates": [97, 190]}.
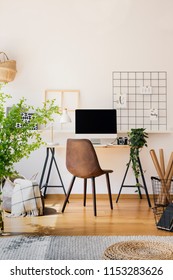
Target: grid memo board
{"type": "Point", "coordinates": [140, 99]}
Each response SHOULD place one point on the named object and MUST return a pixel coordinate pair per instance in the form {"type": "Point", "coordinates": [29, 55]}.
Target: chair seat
{"type": "Point", "coordinates": [94, 174]}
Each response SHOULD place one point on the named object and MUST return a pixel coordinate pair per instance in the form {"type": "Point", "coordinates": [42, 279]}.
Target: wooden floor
{"type": "Point", "coordinates": [130, 216]}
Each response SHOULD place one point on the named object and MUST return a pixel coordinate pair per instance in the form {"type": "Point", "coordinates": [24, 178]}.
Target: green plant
{"type": "Point", "coordinates": [137, 140]}
{"type": "Point", "coordinates": [18, 142]}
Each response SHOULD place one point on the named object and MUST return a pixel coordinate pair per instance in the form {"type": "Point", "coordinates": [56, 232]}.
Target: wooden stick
{"type": "Point", "coordinates": [168, 169]}
{"type": "Point", "coordinates": [158, 168]}
{"type": "Point", "coordinates": [167, 179]}
{"type": "Point", "coordinates": [168, 183]}
{"type": "Point", "coordinates": [162, 162]}
{"type": "Point", "coordinates": [170, 173]}
{"type": "Point", "coordinates": [164, 195]}
{"type": "Point", "coordinates": [156, 164]}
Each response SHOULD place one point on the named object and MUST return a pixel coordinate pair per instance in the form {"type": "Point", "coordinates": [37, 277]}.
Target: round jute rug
{"type": "Point", "coordinates": [139, 250]}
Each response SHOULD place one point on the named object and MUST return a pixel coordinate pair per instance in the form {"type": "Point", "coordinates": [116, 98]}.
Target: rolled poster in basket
{"type": "Point", "coordinates": [7, 68]}
{"type": "Point", "coordinates": [165, 177]}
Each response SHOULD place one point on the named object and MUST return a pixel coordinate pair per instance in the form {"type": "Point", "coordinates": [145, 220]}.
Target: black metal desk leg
{"type": "Point", "coordinates": [143, 179]}
{"type": "Point", "coordinates": [49, 171]}
{"type": "Point", "coordinates": [57, 169]}
{"type": "Point", "coordinates": [44, 167]}
{"type": "Point", "coordinates": [139, 190]}
{"type": "Point", "coordinates": [138, 185]}
{"type": "Point", "coordinates": [123, 181]}
{"type": "Point", "coordinates": [49, 160]}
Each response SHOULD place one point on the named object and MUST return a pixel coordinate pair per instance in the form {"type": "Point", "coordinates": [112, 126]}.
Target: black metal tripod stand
{"type": "Point", "coordinates": [138, 185]}
{"type": "Point", "coordinates": [50, 152]}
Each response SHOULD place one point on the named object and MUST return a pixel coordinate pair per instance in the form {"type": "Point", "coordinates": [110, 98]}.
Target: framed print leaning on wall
{"type": "Point", "coordinates": [68, 99]}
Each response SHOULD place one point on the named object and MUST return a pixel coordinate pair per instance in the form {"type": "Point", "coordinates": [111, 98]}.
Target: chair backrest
{"type": "Point", "coordinates": [81, 159]}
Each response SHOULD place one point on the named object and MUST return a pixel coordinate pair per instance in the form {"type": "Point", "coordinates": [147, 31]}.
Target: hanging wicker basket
{"type": "Point", "coordinates": [7, 68]}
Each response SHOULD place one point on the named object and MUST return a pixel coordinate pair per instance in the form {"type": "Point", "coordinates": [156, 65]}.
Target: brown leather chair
{"type": "Point", "coordinates": [82, 162]}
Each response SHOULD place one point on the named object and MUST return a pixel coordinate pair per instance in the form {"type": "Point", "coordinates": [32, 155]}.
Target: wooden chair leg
{"type": "Point", "coordinates": [109, 190]}
{"type": "Point", "coordinates": [85, 191]}
{"type": "Point", "coordinates": [94, 195]}
{"type": "Point", "coordinates": [68, 194]}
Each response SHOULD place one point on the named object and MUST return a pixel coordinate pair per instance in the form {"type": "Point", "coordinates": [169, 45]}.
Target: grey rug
{"type": "Point", "coordinates": [63, 247]}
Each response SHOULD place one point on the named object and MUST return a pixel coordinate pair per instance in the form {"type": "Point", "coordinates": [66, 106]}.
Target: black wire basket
{"type": "Point", "coordinates": [158, 212]}
{"type": "Point", "coordinates": [162, 191]}
{"type": "Point", "coordinates": [163, 206]}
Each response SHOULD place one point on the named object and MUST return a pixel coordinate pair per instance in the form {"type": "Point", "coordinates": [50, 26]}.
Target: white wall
{"type": "Point", "coordinates": [76, 44]}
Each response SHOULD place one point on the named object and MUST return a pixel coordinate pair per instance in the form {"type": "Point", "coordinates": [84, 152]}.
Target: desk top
{"type": "Point", "coordinates": [95, 146]}
{"type": "Point", "coordinates": [111, 146]}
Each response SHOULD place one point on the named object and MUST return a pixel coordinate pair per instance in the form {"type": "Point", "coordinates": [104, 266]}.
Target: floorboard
{"type": "Point", "coordinates": [130, 216]}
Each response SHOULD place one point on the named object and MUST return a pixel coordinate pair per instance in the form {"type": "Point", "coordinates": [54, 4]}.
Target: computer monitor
{"type": "Point", "coordinates": [96, 124]}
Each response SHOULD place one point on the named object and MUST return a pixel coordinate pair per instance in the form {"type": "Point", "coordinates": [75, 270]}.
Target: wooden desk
{"type": "Point", "coordinates": [50, 152]}
{"type": "Point", "coordinates": [50, 160]}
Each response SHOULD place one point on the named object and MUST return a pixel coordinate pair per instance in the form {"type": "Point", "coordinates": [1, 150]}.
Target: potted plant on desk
{"type": "Point", "coordinates": [137, 140]}
{"type": "Point", "coordinates": [17, 137]}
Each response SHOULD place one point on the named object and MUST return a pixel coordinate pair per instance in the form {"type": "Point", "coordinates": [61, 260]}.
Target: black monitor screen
{"type": "Point", "coordinates": [92, 121]}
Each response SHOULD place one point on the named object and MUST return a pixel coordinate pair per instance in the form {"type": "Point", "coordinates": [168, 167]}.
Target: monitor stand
{"type": "Point", "coordinates": [95, 141]}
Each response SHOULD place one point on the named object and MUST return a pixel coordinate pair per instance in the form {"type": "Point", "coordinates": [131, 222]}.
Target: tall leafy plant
{"type": "Point", "coordinates": [18, 142]}
{"type": "Point", "coordinates": [137, 140]}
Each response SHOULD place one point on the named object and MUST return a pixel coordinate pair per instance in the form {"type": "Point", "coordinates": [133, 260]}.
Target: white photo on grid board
{"type": "Point", "coordinates": [121, 100]}
{"type": "Point", "coordinates": [154, 114]}
{"type": "Point", "coordinates": [146, 90]}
